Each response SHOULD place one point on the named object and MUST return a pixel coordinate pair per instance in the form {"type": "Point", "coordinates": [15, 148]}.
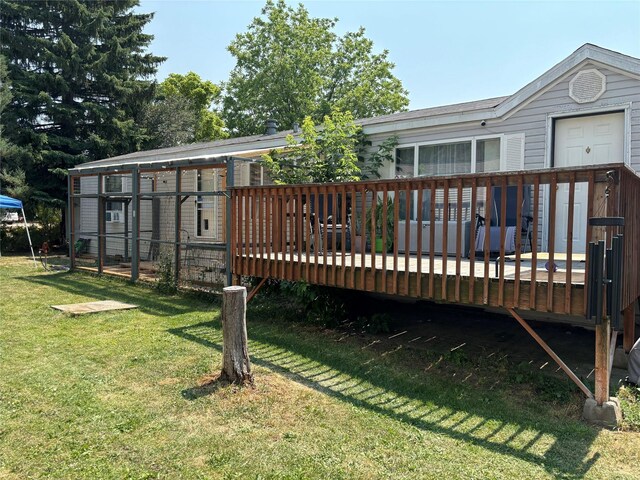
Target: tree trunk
{"type": "Point", "coordinates": [236, 367]}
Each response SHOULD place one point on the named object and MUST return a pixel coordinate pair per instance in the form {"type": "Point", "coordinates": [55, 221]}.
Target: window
{"type": "Point", "coordinates": [206, 205]}
{"type": "Point", "coordinates": [405, 162]}
{"type": "Point", "coordinates": [449, 158]}
{"type": "Point", "coordinates": [114, 209]}
{"type": "Point", "coordinates": [113, 184]}
{"type": "Point", "coordinates": [488, 155]}
{"type": "Point", "coordinates": [444, 159]}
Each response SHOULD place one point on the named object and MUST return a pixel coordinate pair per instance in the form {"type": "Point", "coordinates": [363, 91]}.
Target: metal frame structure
{"type": "Point", "coordinates": [211, 256]}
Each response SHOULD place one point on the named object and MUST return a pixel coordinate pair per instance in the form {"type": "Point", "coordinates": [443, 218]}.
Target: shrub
{"type": "Point", "coordinates": [166, 280]}
{"type": "Point", "coordinates": [14, 238]}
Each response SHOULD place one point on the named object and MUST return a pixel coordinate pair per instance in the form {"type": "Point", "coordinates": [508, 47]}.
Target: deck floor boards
{"type": "Point", "coordinates": [439, 265]}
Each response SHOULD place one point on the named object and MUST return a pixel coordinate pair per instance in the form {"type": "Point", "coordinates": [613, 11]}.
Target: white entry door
{"type": "Point", "coordinates": [582, 141]}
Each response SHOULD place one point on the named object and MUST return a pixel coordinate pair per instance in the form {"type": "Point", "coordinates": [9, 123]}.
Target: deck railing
{"type": "Point", "coordinates": [431, 235]}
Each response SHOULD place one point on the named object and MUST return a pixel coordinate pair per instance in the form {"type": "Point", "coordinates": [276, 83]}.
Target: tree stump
{"type": "Point", "coordinates": [236, 367]}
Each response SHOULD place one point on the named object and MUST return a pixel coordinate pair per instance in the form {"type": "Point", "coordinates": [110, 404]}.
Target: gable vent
{"type": "Point", "coordinates": [587, 86]}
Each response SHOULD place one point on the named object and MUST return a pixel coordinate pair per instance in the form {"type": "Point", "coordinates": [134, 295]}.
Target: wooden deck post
{"type": "Point", "coordinates": [629, 333]}
{"type": "Point", "coordinates": [603, 333]}
{"type": "Point", "coordinates": [236, 367]}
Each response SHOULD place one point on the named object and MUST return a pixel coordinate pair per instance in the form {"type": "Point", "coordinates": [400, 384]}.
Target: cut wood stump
{"type": "Point", "coordinates": [236, 366]}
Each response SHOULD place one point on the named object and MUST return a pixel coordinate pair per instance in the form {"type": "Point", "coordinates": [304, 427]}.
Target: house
{"type": "Point", "coordinates": [583, 111]}
{"type": "Point", "coordinates": [515, 177]}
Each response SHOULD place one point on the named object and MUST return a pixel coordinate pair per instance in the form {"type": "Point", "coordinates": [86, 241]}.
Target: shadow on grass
{"type": "Point", "coordinates": [104, 288]}
{"type": "Point", "coordinates": [208, 386]}
{"type": "Point", "coordinates": [434, 405]}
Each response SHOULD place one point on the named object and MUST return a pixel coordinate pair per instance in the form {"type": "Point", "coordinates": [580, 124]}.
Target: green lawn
{"type": "Point", "coordinates": [125, 395]}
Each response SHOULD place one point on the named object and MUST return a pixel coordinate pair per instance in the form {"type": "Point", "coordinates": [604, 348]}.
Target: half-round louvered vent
{"type": "Point", "coordinates": [587, 86]}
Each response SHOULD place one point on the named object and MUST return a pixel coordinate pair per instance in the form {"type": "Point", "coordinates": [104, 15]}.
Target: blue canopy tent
{"type": "Point", "coordinates": [14, 204]}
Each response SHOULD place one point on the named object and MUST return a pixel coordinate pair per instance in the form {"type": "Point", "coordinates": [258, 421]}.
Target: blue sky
{"type": "Point", "coordinates": [445, 52]}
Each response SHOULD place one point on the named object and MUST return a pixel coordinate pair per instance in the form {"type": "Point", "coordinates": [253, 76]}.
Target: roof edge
{"type": "Point", "coordinates": [587, 52]}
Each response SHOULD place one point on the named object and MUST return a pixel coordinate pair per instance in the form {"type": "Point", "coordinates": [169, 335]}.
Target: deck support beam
{"type": "Point", "coordinates": [257, 289]}
{"type": "Point", "coordinates": [603, 410]}
{"type": "Point", "coordinates": [551, 353]}
{"type": "Point", "coordinates": [602, 360]}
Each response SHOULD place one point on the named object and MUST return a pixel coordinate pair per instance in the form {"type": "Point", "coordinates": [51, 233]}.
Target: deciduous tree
{"type": "Point", "coordinates": [201, 95]}
{"type": "Point", "coordinates": [335, 151]}
{"type": "Point", "coordinates": [290, 65]}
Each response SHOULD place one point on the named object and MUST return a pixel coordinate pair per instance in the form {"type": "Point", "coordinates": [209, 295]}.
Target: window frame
{"type": "Point", "coordinates": [473, 139]}
{"type": "Point", "coordinates": [416, 156]}
{"type": "Point", "coordinates": [201, 200]}
{"type": "Point", "coordinates": [112, 207]}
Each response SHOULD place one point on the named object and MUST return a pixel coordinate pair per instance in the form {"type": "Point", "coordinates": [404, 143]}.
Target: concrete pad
{"type": "Point", "coordinates": [93, 307]}
{"type": "Point", "coordinates": [606, 415]}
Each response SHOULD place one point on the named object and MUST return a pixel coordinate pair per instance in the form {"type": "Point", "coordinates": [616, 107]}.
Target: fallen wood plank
{"type": "Point", "coordinates": [93, 307]}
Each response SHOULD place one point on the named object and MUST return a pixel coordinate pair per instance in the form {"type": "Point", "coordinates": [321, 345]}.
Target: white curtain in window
{"type": "Point", "coordinates": [444, 159]}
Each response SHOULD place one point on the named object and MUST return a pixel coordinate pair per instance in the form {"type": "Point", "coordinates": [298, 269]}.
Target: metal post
{"type": "Point", "coordinates": [35, 264]}
{"type": "Point", "coordinates": [135, 228]}
{"type": "Point", "coordinates": [177, 220]}
{"type": "Point", "coordinates": [230, 183]}
{"type": "Point", "coordinates": [125, 211]}
{"type": "Point", "coordinates": [70, 225]}
{"type": "Point", "coordinates": [101, 224]}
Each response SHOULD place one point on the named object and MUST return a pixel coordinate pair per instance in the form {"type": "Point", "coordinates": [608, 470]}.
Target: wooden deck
{"type": "Point", "coordinates": [272, 235]}
{"type": "Point", "coordinates": [409, 278]}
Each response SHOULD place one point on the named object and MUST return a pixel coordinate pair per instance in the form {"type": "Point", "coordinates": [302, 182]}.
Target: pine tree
{"type": "Point", "coordinates": [80, 73]}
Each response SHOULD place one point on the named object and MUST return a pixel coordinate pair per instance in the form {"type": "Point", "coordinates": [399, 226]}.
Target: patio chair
{"type": "Point", "coordinates": [317, 230]}
{"type": "Point", "coordinates": [494, 229]}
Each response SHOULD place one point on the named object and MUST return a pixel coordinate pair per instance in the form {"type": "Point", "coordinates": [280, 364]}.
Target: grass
{"type": "Point", "coordinates": [126, 395]}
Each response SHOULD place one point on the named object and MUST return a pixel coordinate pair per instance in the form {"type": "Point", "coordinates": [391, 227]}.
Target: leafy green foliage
{"type": "Point", "coordinates": [379, 218]}
{"type": "Point", "coordinates": [13, 239]}
{"type": "Point", "coordinates": [290, 65]}
{"type": "Point", "coordinates": [376, 323]}
{"type": "Point", "coordinates": [182, 112]}
{"type": "Point", "coordinates": [166, 278]}
{"type": "Point", "coordinates": [327, 154]}
{"type": "Point", "coordinates": [169, 122]}
{"type": "Point", "coordinates": [49, 218]}
{"type": "Point", "coordinates": [80, 75]}
{"type": "Point", "coordinates": [370, 164]}
{"type": "Point", "coordinates": [5, 98]}
{"type": "Point", "coordinates": [14, 183]}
